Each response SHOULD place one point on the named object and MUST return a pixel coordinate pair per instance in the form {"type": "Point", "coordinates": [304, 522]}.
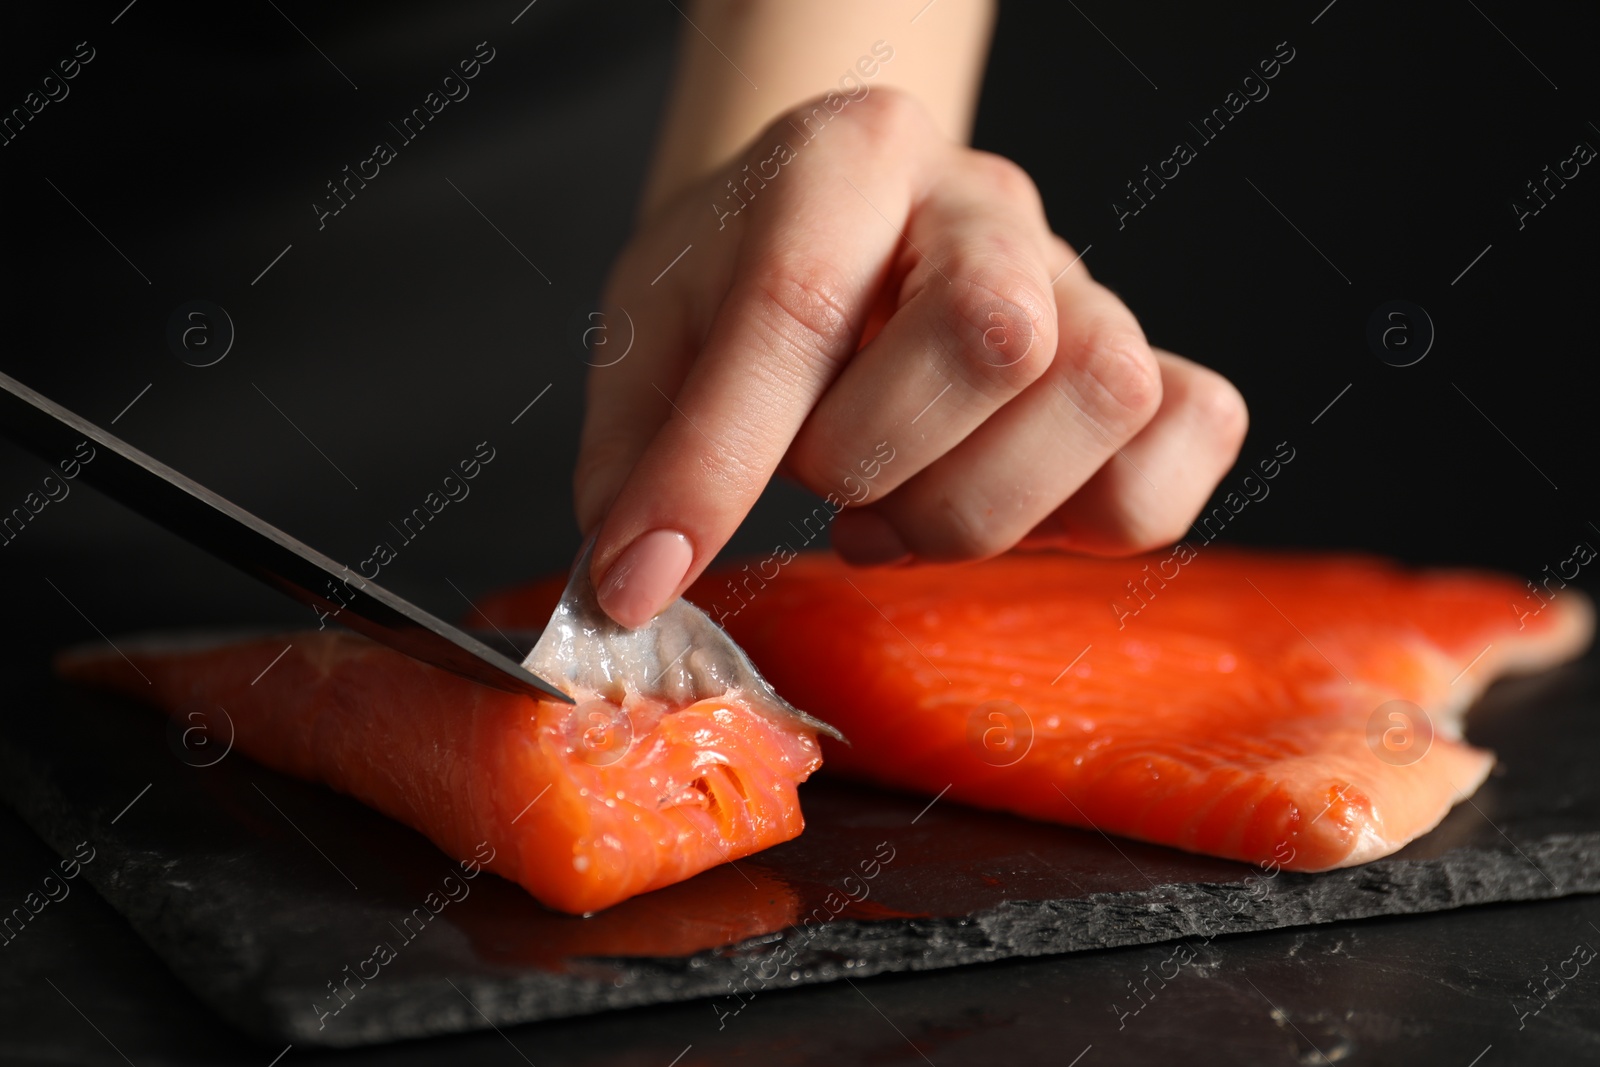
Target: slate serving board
{"type": "Point", "coordinates": [268, 896]}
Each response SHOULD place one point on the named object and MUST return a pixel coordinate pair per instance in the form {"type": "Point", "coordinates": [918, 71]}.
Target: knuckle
{"type": "Point", "coordinates": [1122, 376]}
{"type": "Point", "coordinates": [1006, 178]}
{"type": "Point", "coordinates": [1002, 328]}
{"type": "Point", "coordinates": [804, 306]}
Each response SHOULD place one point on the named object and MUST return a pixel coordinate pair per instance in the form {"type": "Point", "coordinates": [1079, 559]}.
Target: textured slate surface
{"type": "Point", "coordinates": [259, 890]}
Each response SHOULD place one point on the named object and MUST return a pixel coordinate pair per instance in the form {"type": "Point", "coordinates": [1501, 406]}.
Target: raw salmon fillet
{"type": "Point", "coordinates": [1236, 704]}
{"type": "Point", "coordinates": [572, 808]}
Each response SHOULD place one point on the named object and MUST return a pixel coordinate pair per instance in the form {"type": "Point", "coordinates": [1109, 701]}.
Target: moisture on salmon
{"type": "Point", "coordinates": [1301, 710]}
{"type": "Point", "coordinates": [584, 805]}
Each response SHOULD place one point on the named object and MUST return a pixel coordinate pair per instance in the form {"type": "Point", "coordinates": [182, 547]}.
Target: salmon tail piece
{"type": "Point", "coordinates": [584, 806]}
{"type": "Point", "coordinates": [1295, 710]}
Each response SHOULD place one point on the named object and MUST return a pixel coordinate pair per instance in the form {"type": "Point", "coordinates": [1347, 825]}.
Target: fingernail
{"type": "Point", "coordinates": [644, 578]}
{"type": "Point", "coordinates": [867, 540]}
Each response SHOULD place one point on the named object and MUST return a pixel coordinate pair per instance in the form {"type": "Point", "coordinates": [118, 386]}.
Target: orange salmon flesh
{"type": "Point", "coordinates": [1301, 710]}
{"type": "Point", "coordinates": [582, 806]}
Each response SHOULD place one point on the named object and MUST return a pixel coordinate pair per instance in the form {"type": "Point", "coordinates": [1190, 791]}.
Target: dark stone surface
{"type": "Point", "coordinates": [1438, 988]}
{"type": "Point", "coordinates": [258, 890]}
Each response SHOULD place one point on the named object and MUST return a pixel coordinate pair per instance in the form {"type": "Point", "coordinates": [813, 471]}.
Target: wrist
{"type": "Point", "coordinates": [742, 66]}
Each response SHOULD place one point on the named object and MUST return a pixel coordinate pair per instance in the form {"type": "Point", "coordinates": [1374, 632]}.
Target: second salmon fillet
{"type": "Point", "coordinates": [1297, 710]}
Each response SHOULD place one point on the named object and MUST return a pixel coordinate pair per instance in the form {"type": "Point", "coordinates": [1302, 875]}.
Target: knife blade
{"type": "Point", "coordinates": [207, 520]}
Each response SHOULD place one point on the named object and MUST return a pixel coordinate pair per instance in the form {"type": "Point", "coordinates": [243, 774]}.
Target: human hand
{"type": "Point", "coordinates": [880, 288]}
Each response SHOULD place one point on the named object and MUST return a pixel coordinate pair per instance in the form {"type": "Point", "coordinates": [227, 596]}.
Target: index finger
{"type": "Point", "coordinates": [807, 272]}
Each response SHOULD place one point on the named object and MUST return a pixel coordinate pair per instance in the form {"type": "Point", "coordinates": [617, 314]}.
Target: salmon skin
{"type": "Point", "coordinates": [584, 806]}
{"type": "Point", "coordinates": [1298, 710]}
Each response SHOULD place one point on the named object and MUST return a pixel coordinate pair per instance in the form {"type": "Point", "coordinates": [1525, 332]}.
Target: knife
{"type": "Point", "coordinates": [195, 513]}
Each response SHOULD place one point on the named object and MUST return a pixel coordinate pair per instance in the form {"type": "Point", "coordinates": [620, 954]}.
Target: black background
{"type": "Point", "coordinates": [409, 330]}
